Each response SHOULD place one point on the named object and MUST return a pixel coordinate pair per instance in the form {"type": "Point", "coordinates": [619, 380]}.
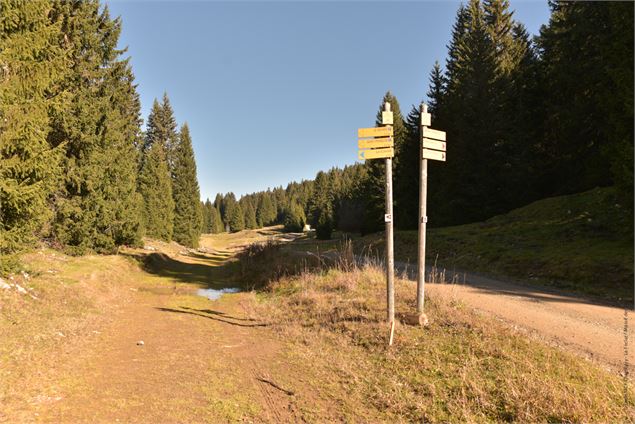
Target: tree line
{"type": "Point", "coordinates": [75, 167]}
{"type": "Point", "coordinates": [526, 118]}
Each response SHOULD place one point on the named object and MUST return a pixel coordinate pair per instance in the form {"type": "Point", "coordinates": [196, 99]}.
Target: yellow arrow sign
{"type": "Point", "coordinates": [376, 154]}
{"type": "Point", "coordinates": [434, 134]}
{"type": "Point", "coordinates": [433, 144]}
{"type": "Point", "coordinates": [374, 132]}
{"type": "Point", "coordinates": [374, 143]}
{"type": "Point", "coordinates": [434, 155]}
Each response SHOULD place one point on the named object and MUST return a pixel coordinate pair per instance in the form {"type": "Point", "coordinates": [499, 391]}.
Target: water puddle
{"type": "Point", "coordinates": [215, 294]}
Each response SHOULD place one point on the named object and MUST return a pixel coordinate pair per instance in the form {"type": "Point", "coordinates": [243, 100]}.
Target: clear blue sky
{"type": "Point", "coordinates": [275, 91]}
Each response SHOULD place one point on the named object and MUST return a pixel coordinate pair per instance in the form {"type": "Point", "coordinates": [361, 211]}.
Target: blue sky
{"type": "Point", "coordinates": [275, 91]}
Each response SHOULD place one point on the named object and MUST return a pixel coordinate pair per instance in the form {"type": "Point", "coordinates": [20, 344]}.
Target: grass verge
{"type": "Point", "coordinates": [463, 367]}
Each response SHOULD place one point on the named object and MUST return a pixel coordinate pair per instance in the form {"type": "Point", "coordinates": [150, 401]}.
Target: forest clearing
{"type": "Point", "coordinates": [341, 212]}
{"type": "Point", "coordinates": [126, 338]}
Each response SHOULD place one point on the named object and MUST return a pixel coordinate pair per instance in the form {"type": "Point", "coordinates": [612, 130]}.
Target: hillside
{"type": "Point", "coordinates": [581, 243]}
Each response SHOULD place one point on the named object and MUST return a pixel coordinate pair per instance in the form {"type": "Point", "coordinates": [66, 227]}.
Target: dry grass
{"type": "Point", "coordinates": [69, 298]}
{"type": "Point", "coordinates": [463, 367]}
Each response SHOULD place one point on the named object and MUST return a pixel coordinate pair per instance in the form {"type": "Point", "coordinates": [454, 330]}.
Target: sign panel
{"type": "Point", "coordinates": [376, 154]}
{"type": "Point", "coordinates": [426, 119]}
{"type": "Point", "coordinates": [375, 132]}
{"type": "Point", "coordinates": [434, 155]}
{"type": "Point", "coordinates": [374, 143]}
{"type": "Point", "coordinates": [434, 134]}
{"type": "Point", "coordinates": [386, 118]}
{"type": "Point", "coordinates": [433, 144]}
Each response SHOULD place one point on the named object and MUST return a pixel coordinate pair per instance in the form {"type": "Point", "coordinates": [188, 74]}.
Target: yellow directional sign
{"type": "Point", "coordinates": [434, 134]}
{"type": "Point", "coordinates": [374, 143]}
{"type": "Point", "coordinates": [376, 154]}
{"type": "Point", "coordinates": [433, 144]}
{"type": "Point", "coordinates": [374, 132]}
{"type": "Point", "coordinates": [434, 155]}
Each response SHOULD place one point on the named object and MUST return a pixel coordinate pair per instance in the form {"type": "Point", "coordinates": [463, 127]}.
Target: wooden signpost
{"type": "Point", "coordinates": [378, 143]}
{"type": "Point", "coordinates": [432, 147]}
{"type": "Point", "coordinates": [376, 153]}
{"type": "Point", "coordinates": [374, 132]}
{"type": "Point", "coordinates": [377, 148]}
{"type": "Point", "coordinates": [375, 143]}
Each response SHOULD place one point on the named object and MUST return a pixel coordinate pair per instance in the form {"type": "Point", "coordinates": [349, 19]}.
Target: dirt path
{"type": "Point", "coordinates": [200, 360]}
{"type": "Point", "coordinates": [589, 328]}
{"type": "Point", "coordinates": [201, 363]}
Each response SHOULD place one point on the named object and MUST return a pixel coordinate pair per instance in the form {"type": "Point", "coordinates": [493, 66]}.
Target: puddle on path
{"type": "Point", "coordinates": [215, 294]}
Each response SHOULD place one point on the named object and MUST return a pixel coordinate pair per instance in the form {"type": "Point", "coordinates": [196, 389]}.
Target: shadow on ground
{"type": "Point", "coordinates": [208, 271]}
{"type": "Point", "coordinates": [216, 316]}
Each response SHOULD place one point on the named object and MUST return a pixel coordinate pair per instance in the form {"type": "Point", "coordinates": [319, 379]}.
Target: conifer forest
{"type": "Point", "coordinates": [111, 252]}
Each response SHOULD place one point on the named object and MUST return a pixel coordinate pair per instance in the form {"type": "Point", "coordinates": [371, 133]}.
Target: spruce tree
{"type": "Point", "coordinates": [266, 213]}
{"type": "Point", "coordinates": [31, 65]}
{"type": "Point", "coordinates": [216, 222]}
{"type": "Point", "coordinates": [204, 224]}
{"type": "Point", "coordinates": [155, 186]}
{"type": "Point", "coordinates": [227, 208]}
{"type": "Point", "coordinates": [162, 128]}
{"type": "Point", "coordinates": [185, 191]}
{"type": "Point", "coordinates": [293, 218]}
{"type": "Point", "coordinates": [322, 206]}
{"type": "Point", "coordinates": [250, 217]}
{"type": "Point", "coordinates": [237, 218]}
{"type": "Point", "coordinates": [588, 130]}
{"type": "Point", "coordinates": [96, 208]}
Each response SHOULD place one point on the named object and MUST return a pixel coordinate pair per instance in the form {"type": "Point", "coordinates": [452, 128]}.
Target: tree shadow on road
{"type": "Point", "coordinates": [216, 316]}
{"type": "Point", "coordinates": [204, 270]}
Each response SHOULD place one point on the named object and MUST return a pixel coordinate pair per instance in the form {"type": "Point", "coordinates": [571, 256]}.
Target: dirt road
{"type": "Point", "coordinates": [199, 362]}
{"type": "Point", "coordinates": [595, 330]}
{"type": "Point", "coordinates": [171, 355]}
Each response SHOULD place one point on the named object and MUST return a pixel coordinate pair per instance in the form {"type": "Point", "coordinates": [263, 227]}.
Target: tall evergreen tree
{"type": "Point", "coordinates": [227, 208]}
{"type": "Point", "coordinates": [321, 206]}
{"type": "Point", "coordinates": [204, 224]}
{"type": "Point", "coordinates": [99, 130]}
{"type": "Point", "coordinates": [31, 66]}
{"type": "Point", "coordinates": [588, 105]}
{"type": "Point", "coordinates": [185, 191]}
{"type": "Point", "coordinates": [250, 216]}
{"type": "Point", "coordinates": [216, 223]}
{"type": "Point", "coordinates": [237, 218]}
{"type": "Point", "coordinates": [162, 128]}
{"type": "Point", "coordinates": [266, 212]}
{"type": "Point", "coordinates": [156, 188]}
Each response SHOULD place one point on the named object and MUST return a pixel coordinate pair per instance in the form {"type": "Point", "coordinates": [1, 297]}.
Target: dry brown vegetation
{"type": "Point", "coordinates": [324, 314]}
{"type": "Point", "coordinates": [463, 367]}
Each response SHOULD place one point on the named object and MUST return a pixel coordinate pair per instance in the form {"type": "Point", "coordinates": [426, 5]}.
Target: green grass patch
{"type": "Point", "coordinates": [581, 243]}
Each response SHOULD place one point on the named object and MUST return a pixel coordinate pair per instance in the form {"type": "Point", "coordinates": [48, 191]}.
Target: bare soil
{"type": "Point", "coordinates": [594, 329]}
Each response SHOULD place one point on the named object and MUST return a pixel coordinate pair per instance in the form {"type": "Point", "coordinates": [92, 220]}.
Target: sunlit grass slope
{"type": "Point", "coordinates": [581, 243]}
